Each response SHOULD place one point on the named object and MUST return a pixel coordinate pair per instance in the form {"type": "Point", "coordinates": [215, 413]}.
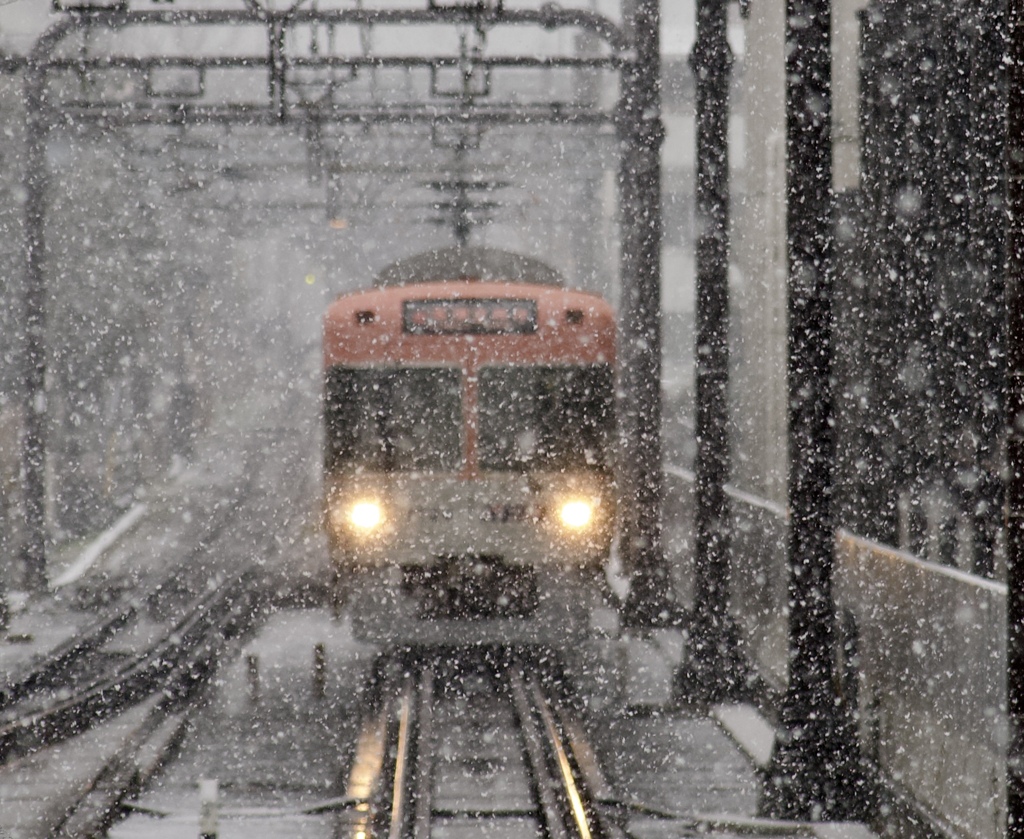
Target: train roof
{"type": "Point", "coordinates": [471, 264]}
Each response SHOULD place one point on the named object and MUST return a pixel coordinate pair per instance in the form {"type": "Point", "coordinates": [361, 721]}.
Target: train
{"type": "Point", "coordinates": [469, 429]}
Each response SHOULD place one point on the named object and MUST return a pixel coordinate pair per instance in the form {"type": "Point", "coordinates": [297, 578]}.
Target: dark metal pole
{"type": "Point", "coordinates": [33, 303]}
{"type": "Point", "coordinates": [278, 69]}
{"type": "Point", "coordinates": [33, 442]}
{"type": "Point", "coordinates": [650, 599]}
{"type": "Point", "coordinates": [33, 360]}
{"type": "Point", "coordinates": [815, 766]}
{"type": "Point", "coordinates": [711, 673]}
{"type": "Point", "coordinates": [1015, 419]}
{"type": "Point", "coordinates": [987, 46]}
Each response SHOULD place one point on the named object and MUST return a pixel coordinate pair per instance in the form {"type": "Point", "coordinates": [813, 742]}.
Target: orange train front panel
{"type": "Point", "coordinates": [424, 324]}
{"type": "Point", "coordinates": [469, 325]}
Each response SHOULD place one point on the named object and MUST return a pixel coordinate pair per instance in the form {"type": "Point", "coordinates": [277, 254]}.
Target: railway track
{"type": "Point", "coordinates": [463, 742]}
{"type": "Point", "coordinates": [88, 685]}
{"type": "Point", "coordinates": [164, 635]}
{"type": "Point", "coordinates": [142, 671]}
{"type": "Point", "coordinates": [88, 652]}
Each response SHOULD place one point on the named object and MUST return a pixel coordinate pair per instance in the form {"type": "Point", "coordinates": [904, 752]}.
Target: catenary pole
{"type": "Point", "coordinates": [814, 768]}
{"type": "Point", "coordinates": [711, 673]}
{"type": "Point", "coordinates": [33, 313]}
{"type": "Point", "coordinates": [641, 135]}
{"type": "Point", "coordinates": [1015, 419]}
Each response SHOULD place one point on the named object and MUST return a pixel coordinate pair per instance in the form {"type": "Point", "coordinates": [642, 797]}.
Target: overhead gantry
{"type": "Point", "coordinates": [110, 66]}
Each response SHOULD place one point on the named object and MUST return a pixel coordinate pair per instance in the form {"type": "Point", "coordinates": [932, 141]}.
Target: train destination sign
{"type": "Point", "coordinates": [471, 316]}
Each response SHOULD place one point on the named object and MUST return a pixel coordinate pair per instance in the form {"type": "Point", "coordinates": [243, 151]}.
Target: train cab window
{"type": "Point", "coordinates": [545, 417]}
{"type": "Point", "coordinates": [394, 419]}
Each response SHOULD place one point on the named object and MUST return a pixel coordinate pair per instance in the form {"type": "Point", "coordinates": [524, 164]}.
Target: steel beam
{"type": "Point", "coordinates": [815, 768]}
{"type": "Point", "coordinates": [549, 16]}
{"type": "Point", "coordinates": [713, 668]}
{"type": "Point", "coordinates": [1015, 419]}
{"type": "Point", "coordinates": [179, 113]}
{"type": "Point", "coordinates": [33, 314]}
{"type": "Point", "coordinates": [987, 101]}
{"type": "Point", "coordinates": [651, 600]}
{"type": "Point", "coordinates": [320, 62]}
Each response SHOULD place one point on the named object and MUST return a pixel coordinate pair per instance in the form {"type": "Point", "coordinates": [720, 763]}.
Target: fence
{"type": "Point", "coordinates": [930, 657]}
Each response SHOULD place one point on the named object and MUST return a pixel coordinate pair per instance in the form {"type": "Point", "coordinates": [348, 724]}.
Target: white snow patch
{"type": "Point", "coordinates": [751, 732]}
{"type": "Point", "coordinates": [841, 830]}
{"type": "Point", "coordinates": [613, 572]}
{"type": "Point", "coordinates": [100, 545]}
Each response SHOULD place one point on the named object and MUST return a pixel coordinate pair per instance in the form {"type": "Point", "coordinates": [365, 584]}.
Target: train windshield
{"type": "Point", "coordinates": [394, 419]}
{"type": "Point", "coordinates": [545, 417]}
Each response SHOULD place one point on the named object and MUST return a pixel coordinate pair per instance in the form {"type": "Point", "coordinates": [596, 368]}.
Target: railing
{"type": "Point", "coordinates": [757, 573]}
{"type": "Point", "coordinates": [926, 645]}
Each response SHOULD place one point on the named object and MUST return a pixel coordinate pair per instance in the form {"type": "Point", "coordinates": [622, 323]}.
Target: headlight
{"type": "Point", "coordinates": [362, 517]}
{"type": "Point", "coordinates": [576, 513]}
{"type": "Point", "coordinates": [365, 516]}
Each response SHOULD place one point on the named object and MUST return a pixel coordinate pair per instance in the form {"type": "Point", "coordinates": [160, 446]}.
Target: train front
{"type": "Point", "coordinates": [469, 427]}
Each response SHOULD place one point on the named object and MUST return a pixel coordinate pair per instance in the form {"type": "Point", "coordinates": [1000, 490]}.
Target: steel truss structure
{"type": "Point", "coordinates": [85, 71]}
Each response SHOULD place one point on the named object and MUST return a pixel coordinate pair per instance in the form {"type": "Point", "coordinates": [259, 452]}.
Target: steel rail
{"type": "Point", "coordinates": [394, 795]}
{"type": "Point", "coordinates": [391, 777]}
{"type": "Point", "coordinates": [561, 759]}
{"type": "Point", "coordinates": [411, 781]}
{"type": "Point", "coordinates": [423, 792]}
{"type": "Point", "coordinates": [385, 795]}
{"type": "Point", "coordinates": [24, 729]}
{"type": "Point", "coordinates": [365, 774]}
{"type": "Point", "coordinates": [95, 807]}
{"type": "Point", "coordinates": [404, 770]}
{"type": "Point", "coordinates": [553, 816]}
{"type": "Point", "coordinates": [565, 770]}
